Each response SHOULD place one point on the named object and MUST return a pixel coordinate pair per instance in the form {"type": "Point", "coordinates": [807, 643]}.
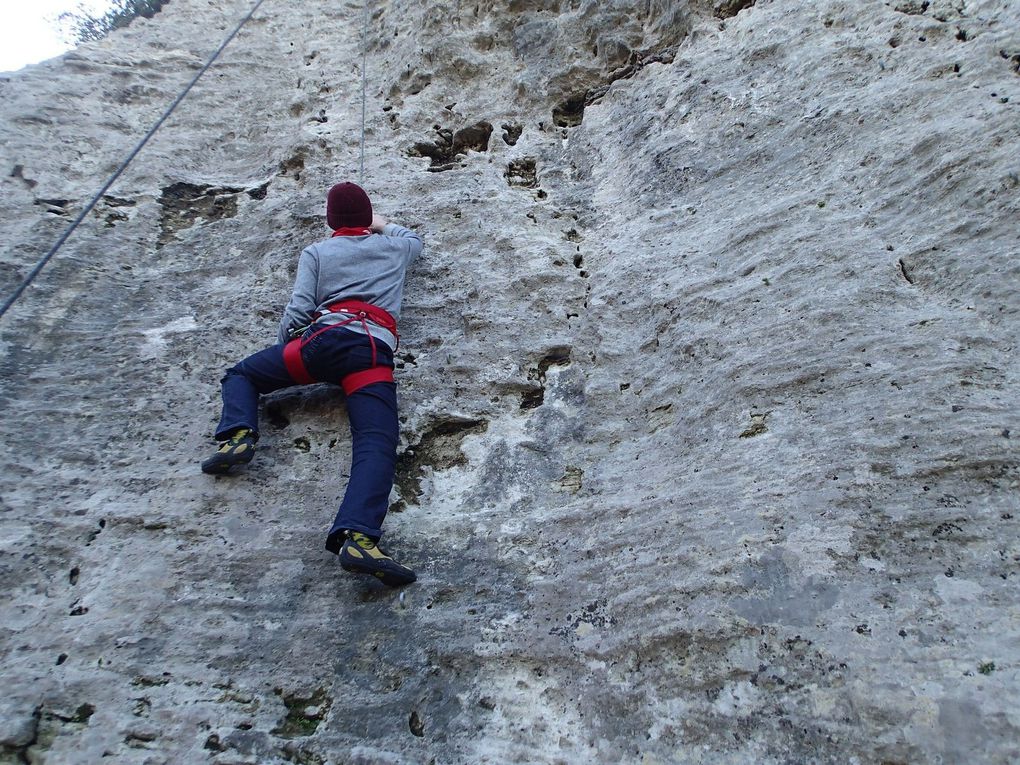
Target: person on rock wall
{"type": "Point", "coordinates": [340, 327]}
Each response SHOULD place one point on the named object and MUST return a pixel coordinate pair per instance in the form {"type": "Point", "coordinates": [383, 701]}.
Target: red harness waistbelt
{"type": "Point", "coordinates": [356, 311]}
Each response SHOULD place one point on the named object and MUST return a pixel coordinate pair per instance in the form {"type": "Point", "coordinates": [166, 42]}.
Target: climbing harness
{"type": "Point", "coordinates": [354, 311]}
{"type": "Point", "coordinates": [106, 187]}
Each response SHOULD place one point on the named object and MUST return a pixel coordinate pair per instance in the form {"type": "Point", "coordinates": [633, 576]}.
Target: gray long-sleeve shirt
{"type": "Point", "coordinates": [367, 268]}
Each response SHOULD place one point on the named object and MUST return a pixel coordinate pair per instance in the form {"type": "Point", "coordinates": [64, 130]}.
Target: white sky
{"type": "Point", "coordinates": [29, 32]}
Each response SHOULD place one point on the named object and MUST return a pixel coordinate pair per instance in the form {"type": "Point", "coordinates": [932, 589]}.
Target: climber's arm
{"type": "Point", "coordinates": [381, 225]}
{"type": "Point", "coordinates": [302, 305]}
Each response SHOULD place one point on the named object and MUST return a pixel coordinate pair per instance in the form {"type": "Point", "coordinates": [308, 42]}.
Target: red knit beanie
{"type": "Point", "coordinates": [347, 205]}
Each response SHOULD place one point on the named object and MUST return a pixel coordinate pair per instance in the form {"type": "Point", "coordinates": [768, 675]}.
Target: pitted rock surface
{"type": "Point", "coordinates": [708, 381]}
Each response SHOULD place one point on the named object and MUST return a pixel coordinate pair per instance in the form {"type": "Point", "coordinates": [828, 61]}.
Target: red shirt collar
{"type": "Point", "coordinates": [349, 231]}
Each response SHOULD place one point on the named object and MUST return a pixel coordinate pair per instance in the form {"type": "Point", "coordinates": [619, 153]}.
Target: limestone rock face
{"type": "Point", "coordinates": [708, 384]}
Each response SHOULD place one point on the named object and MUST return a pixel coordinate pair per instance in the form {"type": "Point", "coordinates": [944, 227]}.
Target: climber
{"type": "Point", "coordinates": [339, 327]}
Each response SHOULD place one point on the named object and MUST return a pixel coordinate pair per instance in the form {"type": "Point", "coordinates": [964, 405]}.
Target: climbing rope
{"type": "Point", "coordinates": [152, 131]}
{"type": "Point", "coordinates": [364, 84]}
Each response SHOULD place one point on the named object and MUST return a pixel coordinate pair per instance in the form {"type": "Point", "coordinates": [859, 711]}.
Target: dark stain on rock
{"type": "Point", "coordinates": [54, 206]}
{"type": "Point", "coordinates": [304, 713]}
{"type": "Point", "coordinates": [595, 614]}
{"type": "Point", "coordinates": [1013, 58]}
{"type": "Point", "coordinates": [112, 201]}
{"type": "Point", "coordinates": [95, 532]}
{"type": "Point", "coordinates": [438, 448]}
{"type": "Point", "coordinates": [522, 172]}
{"type": "Point", "coordinates": [416, 83]}
{"type": "Point", "coordinates": [259, 192]}
{"type": "Point", "coordinates": [532, 399]}
{"type": "Point", "coordinates": [19, 172]}
{"type": "Point", "coordinates": [416, 724]}
{"type": "Point", "coordinates": [444, 149]}
{"type": "Point", "coordinates": [293, 165]}
{"type": "Point", "coordinates": [184, 204]}
{"type": "Point", "coordinates": [729, 8]}
{"type": "Point", "coordinates": [140, 739]}
{"type": "Point", "coordinates": [81, 715]}
{"type": "Point", "coordinates": [912, 7]}
{"type": "Point", "coordinates": [110, 210]}
{"type": "Point", "coordinates": [558, 357]}
{"type": "Point", "coordinates": [146, 681]}
{"type": "Point", "coordinates": [757, 426]}
{"type": "Point", "coordinates": [904, 271]}
{"type": "Point", "coordinates": [512, 132]}
{"type": "Point", "coordinates": [570, 112]}
{"type": "Point", "coordinates": [275, 415]}
{"type": "Point", "coordinates": [949, 529]}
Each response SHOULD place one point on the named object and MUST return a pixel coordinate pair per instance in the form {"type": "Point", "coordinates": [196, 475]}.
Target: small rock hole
{"type": "Point", "coordinates": [416, 724]}
{"type": "Point", "coordinates": [570, 113]}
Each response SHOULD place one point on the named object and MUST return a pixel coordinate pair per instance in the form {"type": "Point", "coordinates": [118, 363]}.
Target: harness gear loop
{"type": "Point", "coordinates": [356, 311]}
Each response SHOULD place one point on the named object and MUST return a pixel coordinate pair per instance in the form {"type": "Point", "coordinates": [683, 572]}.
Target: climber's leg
{"type": "Point", "coordinates": [241, 387]}
{"type": "Point", "coordinates": [374, 435]}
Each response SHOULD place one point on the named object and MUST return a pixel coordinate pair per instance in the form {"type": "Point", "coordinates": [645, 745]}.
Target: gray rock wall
{"type": "Point", "coordinates": [708, 383]}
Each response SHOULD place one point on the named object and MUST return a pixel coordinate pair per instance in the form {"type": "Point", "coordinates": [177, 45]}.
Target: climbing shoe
{"type": "Point", "coordinates": [238, 450]}
{"type": "Point", "coordinates": [362, 555]}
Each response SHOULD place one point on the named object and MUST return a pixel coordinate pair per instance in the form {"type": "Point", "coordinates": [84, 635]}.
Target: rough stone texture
{"type": "Point", "coordinates": [709, 388]}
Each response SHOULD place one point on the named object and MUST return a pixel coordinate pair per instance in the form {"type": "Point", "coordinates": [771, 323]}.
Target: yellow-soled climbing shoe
{"type": "Point", "coordinates": [363, 556]}
{"type": "Point", "coordinates": [237, 451]}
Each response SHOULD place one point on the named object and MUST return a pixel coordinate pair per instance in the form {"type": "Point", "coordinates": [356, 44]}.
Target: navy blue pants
{"type": "Point", "coordinates": [372, 412]}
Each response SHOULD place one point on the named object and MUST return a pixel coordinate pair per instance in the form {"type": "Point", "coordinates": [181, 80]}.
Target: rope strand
{"type": "Point", "coordinates": [106, 187]}
{"type": "Point", "coordinates": [364, 83]}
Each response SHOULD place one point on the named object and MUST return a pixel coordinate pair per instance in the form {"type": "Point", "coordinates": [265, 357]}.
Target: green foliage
{"type": "Point", "coordinates": [82, 26]}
